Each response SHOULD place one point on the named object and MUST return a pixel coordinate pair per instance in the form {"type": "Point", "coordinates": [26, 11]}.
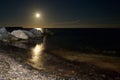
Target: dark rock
{"type": "Point", "coordinates": [6, 36]}
{"type": "Point", "coordinates": [3, 30]}
{"type": "Point", "coordinates": [27, 66]}
{"type": "Point", "coordinates": [36, 32]}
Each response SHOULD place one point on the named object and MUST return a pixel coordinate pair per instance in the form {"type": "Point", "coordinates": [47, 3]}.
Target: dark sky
{"type": "Point", "coordinates": [60, 13]}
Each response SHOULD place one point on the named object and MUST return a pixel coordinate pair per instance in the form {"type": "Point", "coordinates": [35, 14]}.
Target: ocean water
{"type": "Point", "coordinates": [85, 40]}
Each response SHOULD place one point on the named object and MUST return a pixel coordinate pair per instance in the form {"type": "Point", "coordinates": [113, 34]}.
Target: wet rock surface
{"type": "Point", "coordinates": [16, 64]}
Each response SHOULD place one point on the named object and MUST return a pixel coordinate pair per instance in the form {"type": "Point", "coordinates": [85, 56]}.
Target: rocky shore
{"type": "Point", "coordinates": [19, 34]}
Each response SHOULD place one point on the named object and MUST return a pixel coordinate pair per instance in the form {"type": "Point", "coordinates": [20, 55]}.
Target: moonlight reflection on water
{"type": "Point", "coordinates": [36, 54]}
{"type": "Point", "coordinates": [38, 49]}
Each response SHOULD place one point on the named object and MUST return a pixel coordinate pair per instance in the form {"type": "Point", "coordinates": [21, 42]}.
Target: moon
{"type": "Point", "coordinates": [37, 15]}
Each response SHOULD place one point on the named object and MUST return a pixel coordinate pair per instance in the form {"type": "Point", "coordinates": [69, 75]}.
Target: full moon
{"type": "Point", "coordinates": [37, 15]}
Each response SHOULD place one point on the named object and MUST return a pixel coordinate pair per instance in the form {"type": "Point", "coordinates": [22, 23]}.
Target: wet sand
{"type": "Point", "coordinates": [102, 61]}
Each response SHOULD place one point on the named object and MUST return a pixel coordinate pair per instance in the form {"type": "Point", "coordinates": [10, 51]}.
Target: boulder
{"type": "Point", "coordinates": [5, 35]}
{"type": "Point", "coordinates": [19, 34]}
{"type": "Point", "coordinates": [3, 30]}
{"type": "Point", "coordinates": [36, 32]}
{"type": "Point", "coordinates": [29, 34]}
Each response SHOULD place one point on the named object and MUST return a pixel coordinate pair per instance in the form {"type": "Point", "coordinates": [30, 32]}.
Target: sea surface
{"type": "Point", "coordinates": [85, 40]}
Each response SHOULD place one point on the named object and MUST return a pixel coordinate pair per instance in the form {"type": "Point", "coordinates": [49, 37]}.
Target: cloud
{"type": "Point", "coordinates": [101, 23]}
{"type": "Point", "coordinates": [79, 24]}
{"type": "Point", "coordinates": [66, 23]}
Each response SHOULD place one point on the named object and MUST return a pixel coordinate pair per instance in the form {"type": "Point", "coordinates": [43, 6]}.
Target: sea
{"type": "Point", "coordinates": [87, 40]}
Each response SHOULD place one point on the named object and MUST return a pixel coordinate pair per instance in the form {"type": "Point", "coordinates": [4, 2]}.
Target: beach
{"type": "Point", "coordinates": [53, 65]}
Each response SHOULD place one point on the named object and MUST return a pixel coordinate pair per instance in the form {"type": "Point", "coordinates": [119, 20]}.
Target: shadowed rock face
{"type": "Point", "coordinates": [37, 33]}
{"type": "Point", "coordinates": [3, 30]}
{"type": "Point", "coordinates": [6, 36]}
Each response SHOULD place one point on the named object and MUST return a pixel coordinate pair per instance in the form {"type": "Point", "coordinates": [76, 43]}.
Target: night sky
{"type": "Point", "coordinates": [60, 13]}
